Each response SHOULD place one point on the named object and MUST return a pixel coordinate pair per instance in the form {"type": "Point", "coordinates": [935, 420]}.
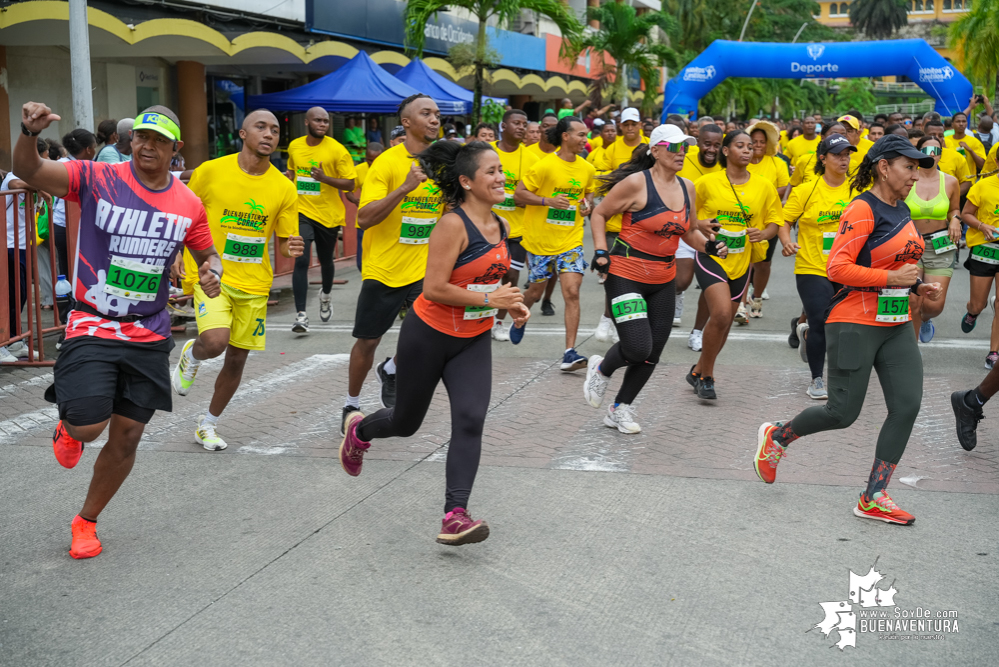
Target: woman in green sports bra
{"type": "Point", "coordinates": [934, 204]}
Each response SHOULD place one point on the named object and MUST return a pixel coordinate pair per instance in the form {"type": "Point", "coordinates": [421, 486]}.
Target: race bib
{"type": "Point", "coordinates": [133, 280]}
{"type": "Point", "coordinates": [630, 306]}
{"type": "Point", "coordinates": [506, 205]}
{"type": "Point", "coordinates": [941, 242]}
{"type": "Point", "coordinates": [306, 185]}
{"type": "Point", "coordinates": [734, 241]}
{"type": "Point", "coordinates": [416, 231]}
{"type": "Point", "coordinates": [479, 312]}
{"type": "Point", "coordinates": [559, 216]}
{"type": "Point", "coordinates": [986, 252]}
{"type": "Point", "coordinates": [893, 305]}
{"type": "Point", "coordinates": [827, 242]}
{"type": "Point", "coordinates": [244, 249]}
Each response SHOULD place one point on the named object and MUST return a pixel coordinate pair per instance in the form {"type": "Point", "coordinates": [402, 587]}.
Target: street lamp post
{"type": "Point", "coordinates": [79, 64]}
{"type": "Point", "coordinates": [748, 16]}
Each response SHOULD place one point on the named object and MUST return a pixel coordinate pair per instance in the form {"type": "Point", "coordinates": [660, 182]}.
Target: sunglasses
{"type": "Point", "coordinates": [931, 150]}
{"type": "Point", "coordinates": [672, 148]}
{"type": "Point", "coordinates": [908, 122]}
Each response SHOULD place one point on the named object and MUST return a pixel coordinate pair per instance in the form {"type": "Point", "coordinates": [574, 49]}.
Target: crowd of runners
{"type": "Point", "coordinates": [462, 237]}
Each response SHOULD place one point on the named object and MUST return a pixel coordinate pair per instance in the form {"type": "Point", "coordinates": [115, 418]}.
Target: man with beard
{"type": "Point", "coordinates": [247, 201]}
{"type": "Point", "coordinates": [320, 167]}
{"type": "Point", "coordinates": [704, 161]}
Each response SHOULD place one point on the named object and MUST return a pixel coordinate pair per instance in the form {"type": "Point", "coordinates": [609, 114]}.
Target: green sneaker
{"type": "Point", "coordinates": [207, 437]}
{"type": "Point", "coordinates": [184, 372]}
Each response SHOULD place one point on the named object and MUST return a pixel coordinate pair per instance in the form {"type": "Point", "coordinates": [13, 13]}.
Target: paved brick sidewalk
{"type": "Point", "coordinates": [289, 404]}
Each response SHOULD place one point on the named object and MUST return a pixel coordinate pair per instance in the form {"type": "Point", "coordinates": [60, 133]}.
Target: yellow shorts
{"type": "Point", "coordinates": [241, 313]}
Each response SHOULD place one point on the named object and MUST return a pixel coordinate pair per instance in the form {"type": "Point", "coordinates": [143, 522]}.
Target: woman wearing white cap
{"type": "Point", "coordinates": [657, 209]}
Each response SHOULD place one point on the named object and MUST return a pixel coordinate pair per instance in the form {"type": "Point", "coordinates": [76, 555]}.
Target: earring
{"type": "Point", "coordinates": [884, 178]}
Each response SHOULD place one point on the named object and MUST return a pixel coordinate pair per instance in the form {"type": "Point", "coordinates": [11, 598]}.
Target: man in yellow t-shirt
{"type": "Point", "coordinates": [967, 145]}
{"type": "Point", "coordinates": [399, 208]}
{"type": "Point", "coordinates": [991, 161]}
{"type": "Point", "coordinates": [517, 160]}
{"type": "Point", "coordinates": [852, 126]}
{"type": "Point", "coordinates": [983, 265]}
{"type": "Point", "coordinates": [607, 137]}
{"type": "Point", "coordinates": [247, 200]}
{"type": "Point", "coordinates": [374, 150]}
{"type": "Point", "coordinates": [951, 162]}
{"type": "Point", "coordinates": [558, 194]}
{"type": "Point", "coordinates": [803, 144]}
{"type": "Point", "coordinates": [544, 147]}
{"type": "Point", "coordinates": [321, 168]}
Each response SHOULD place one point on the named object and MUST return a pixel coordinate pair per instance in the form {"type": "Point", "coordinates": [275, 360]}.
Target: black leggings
{"type": "Point", "coordinates": [816, 292]}
{"type": "Point", "coordinates": [59, 235]}
{"type": "Point", "coordinates": [424, 357]}
{"type": "Point", "coordinates": [325, 239]}
{"type": "Point", "coordinates": [641, 340]}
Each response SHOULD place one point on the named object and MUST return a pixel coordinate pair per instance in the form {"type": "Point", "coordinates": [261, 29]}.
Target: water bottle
{"type": "Point", "coordinates": [63, 300]}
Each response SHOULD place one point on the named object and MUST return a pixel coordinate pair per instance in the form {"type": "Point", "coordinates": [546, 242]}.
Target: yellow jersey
{"type": "Point", "coordinates": [985, 195]}
{"type": "Point", "coordinates": [549, 230]}
{"type": "Point", "coordinates": [757, 205]}
{"type": "Point", "coordinates": [973, 143]}
{"type": "Point", "coordinates": [244, 211]}
{"type": "Point", "coordinates": [535, 148]}
{"type": "Point", "coordinates": [857, 156]}
{"type": "Point", "coordinates": [991, 161]}
{"type": "Point", "coordinates": [613, 157]}
{"type": "Point", "coordinates": [819, 207]}
{"type": "Point", "coordinates": [395, 250]}
{"type": "Point", "coordinates": [801, 146]}
{"type": "Point", "coordinates": [953, 163]}
{"type": "Point", "coordinates": [771, 168]}
{"type": "Point", "coordinates": [782, 141]}
{"type": "Point", "coordinates": [804, 170]}
{"type": "Point", "coordinates": [693, 169]}
{"type": "Point", "coordinates": [318, 201]}
{"type": "Point", "coordinates": [515, 166]}
{"type": "Point", "coordinates": [596, 141]}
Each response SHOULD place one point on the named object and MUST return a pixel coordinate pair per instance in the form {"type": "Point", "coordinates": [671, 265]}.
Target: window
{"type": "Point", "coordinates": [946, 5]}
{"type": "Point", "coordinates": [833, 9]}
{"type": "Point", "coordinates": [918, 4]}
{"type": "Point", "coordinates": [929, 5]}
{"type": "Point", "coordinates": [841, 9]}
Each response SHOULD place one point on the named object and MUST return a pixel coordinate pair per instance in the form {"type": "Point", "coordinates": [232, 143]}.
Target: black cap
{"type": "Point", "coordinates": [893, 145]}
{"type": "Point", "coordinates": [835, 143]}
{"type": "Point", "coordinates": [397, 131]}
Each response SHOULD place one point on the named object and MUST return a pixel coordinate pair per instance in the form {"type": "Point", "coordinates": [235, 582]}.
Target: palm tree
{"type": "Point", "coordinates": [418, 12]}
{"type": "Point", "coordinates": [975, 38]}
{"type": "Point", "coordinates": [630, 40]}
{"type": "Point", "coordinates": [878, 19]}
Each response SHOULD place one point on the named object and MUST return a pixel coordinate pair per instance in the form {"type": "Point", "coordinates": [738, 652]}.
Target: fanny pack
{"type": "Point", "coordinates": [622, 249]}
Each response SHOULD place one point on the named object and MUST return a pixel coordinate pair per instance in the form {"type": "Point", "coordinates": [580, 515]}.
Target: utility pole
{"type": "Point", "coordinates": [748, 16]}
{"type": "Point", "coordinates": [800, 30]}
{"type": "Point", "coordinates": [79, 64]}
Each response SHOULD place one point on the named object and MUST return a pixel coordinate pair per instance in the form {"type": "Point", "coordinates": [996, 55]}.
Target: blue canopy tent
{"type": "Point", "coordinates": [360, 86]}
{"type": "Point", "coordinates": [420, 76]}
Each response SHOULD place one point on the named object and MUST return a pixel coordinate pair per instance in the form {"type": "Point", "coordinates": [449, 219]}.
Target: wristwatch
{"type": "Point", "coordinates": [28, 133]}
{"type": "Point", "coordinates": [217, 274]}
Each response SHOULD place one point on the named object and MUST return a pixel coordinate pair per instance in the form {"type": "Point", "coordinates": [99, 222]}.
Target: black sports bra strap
{"type": "Point", "coordinates": [501, 226]}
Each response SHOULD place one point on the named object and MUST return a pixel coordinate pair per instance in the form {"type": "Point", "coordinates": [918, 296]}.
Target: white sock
{"type": "Point", "coordinates": [190, 357]}
{"type": "Point", "coordinates": [352, 402]}
{"type": "Point", "coordinates": [389, 366]}
{"type": "Point", "coordinates": [569, 349]}
{"type": "Point", "coordinates": [210, 420]}
{"type": "Point", "coordinates": [695, 331]}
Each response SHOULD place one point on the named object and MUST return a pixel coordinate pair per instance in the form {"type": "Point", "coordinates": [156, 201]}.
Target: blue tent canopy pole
{"type": "Point", "coordinates": [913, 58]}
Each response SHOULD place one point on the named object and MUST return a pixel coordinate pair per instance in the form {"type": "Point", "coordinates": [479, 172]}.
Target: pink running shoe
{"type": "Point", "coordinates": [85, 542]}
{"type": "Point", "coordinates": [458, 528]}
{"type": "Point", "coordinates": [67, 450]}
{"type": "Point", "coordinates": [352, 448]}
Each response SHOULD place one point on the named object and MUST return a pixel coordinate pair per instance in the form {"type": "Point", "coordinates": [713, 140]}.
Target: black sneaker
{"type": "Point", "coordinates": [968, 322]}
{"type": "Point", "coordinates": [547, 308]}
{"type": "Point", "coordinates": [967, 420]}
{"type": "Point", "coordinates": [793, 340]}
{"type": "Point", "coordinates": [693, 377]}
{"type": "Point", "coordinates": [387, 381]}
{"type": "Point", "coordinates": [706, 388]}
{"type": "Point", "coordinates": [347, 409]}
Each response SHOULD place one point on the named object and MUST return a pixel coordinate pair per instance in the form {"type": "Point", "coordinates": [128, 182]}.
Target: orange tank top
{"type": "Point", "coordinates": [479, 268]}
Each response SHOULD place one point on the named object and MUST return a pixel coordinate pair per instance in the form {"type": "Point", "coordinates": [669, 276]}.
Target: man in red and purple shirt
{"type": "Point", "coordinates": [114, 365]}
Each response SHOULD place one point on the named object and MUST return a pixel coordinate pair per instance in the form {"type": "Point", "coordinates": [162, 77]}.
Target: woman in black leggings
{"type": "Point", "coordinates": [657, 209]}
{"type": "Point", "coordinates": [446, 336]}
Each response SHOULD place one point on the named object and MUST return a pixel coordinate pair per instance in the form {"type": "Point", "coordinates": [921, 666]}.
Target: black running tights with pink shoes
{"type": "Point", "coordinates": [424, 357]}
{"type": "Point", "coordinates": [641, 340]}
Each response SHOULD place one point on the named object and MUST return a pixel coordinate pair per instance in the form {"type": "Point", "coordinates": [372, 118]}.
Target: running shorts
{"type": "Point", "coordinates": [981, 269]}
{"type": "Point", "coordinates": [543, 267]}
{"type": "Point", "coordinates": [933, 264]}
{"type": "Point", "coordinates": [378, 306]}
{"type": "Point", "coordinates": [95, 378]}
{"type": "Point", "coordinates": [709, 272]}
{"type": "Point", "coordinates": [244, 315]}
{"type": "Point", "coordinates": [771, 247]}
{"type": "Point", "coordinates": [517, 253]}
{"type": "Point", "coordinates": [684, 251]}
{"type": "Point", "coordinates": [310, 230]}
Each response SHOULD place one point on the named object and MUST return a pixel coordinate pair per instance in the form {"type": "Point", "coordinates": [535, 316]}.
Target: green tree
{"type": "Point", "coordinates": [854, 94]}
{"type": "Point", "coordinates": [632, 42]}
{"type": "Point", "coordinates": [878, 19]}
{"type": "Point", "coordinates": [418, 12]}
{"type": "Point", "coordinates": [975, 38]}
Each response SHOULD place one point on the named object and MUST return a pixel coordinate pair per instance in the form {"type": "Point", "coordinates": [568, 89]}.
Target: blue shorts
{"type": "Point", "coordinates": [542, 267]}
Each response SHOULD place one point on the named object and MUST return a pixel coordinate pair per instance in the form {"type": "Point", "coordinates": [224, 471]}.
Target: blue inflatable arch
{"type": "Point", "coordinates": [914, 58]}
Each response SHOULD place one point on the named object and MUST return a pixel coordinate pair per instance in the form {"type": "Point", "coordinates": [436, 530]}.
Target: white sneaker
{"type": "Point", "coordinates": [765, 296]}
{"type": "Point", "coordinates": [301, 325]}
{"type": "Point", "coordinates": [20, 350]}
{"type": "Point", "coordinates": [695, 339]}
{"type": "Point", "coordinates": [499, 331]}
{"type": "Point", "coordinates": [596, 382]}
{"type": "Point", "coordinates": [622, 418]}
{"type": "Point", "coordinates": [678, 310]}
{"type": "Point", "coordinates": [207, 437]}
{"type": "Point", "coordinates": [741, 316]}
{"type": "Point", "coordinates": [325, 307]}
{"type": "Point", "coordinates": [756, 309]}
{"type": "Point", "coordinates": [605, 330]}
{"type": "Point", "coordinates": [817, 390]}
{"type": "Point", "coordinates": [802, 347]}
{"type": "Point", "coordinates": [6, 357]}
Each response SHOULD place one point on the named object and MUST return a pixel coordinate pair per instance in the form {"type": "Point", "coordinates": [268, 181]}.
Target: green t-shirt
{"type": "Point", "coordinates": [354, 135]}
{"type": "Point", "coordinates": [562, 113]}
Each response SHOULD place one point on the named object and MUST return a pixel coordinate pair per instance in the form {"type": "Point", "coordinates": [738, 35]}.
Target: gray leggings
{"type": "Point", "coordinates": [853, 350]}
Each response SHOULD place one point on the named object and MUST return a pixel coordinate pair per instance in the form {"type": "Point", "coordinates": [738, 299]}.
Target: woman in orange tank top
{"type": "Point", "coordinates": [446, 336]}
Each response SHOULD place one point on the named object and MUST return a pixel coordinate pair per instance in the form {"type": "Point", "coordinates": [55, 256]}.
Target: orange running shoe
{"type": "Point", "coordinates": [768, 453]}
{"type": "Point", "coordinates": [85, 542]}
{"type": "Point", "coordinates": [67, 450]}
{"type": "Point", "coordinates": [882, 508]}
